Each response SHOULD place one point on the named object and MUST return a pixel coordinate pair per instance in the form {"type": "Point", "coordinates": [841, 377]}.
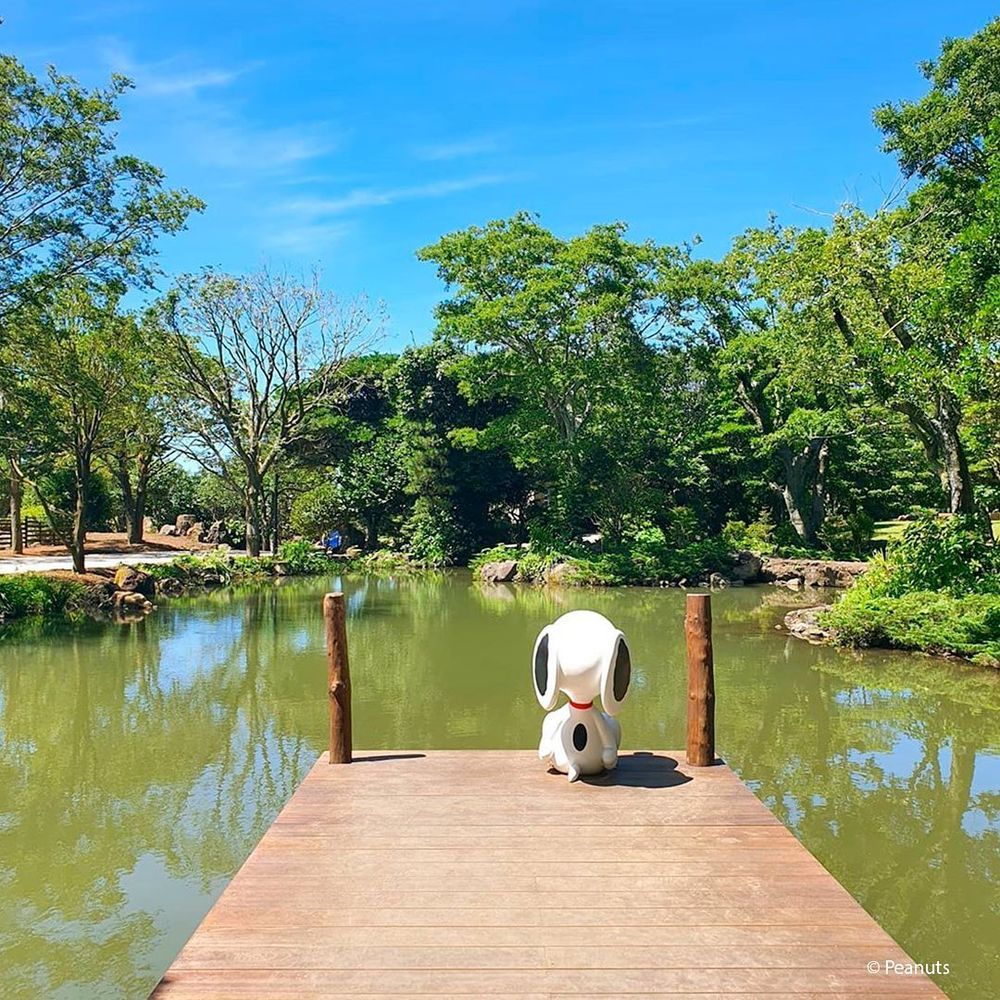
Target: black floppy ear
{"type": "Point", "coordinates": [543, 671]}
{"type": "Point", "coordinates": [617, 676]}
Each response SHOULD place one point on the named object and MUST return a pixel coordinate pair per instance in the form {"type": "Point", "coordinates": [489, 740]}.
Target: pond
{"type": "Point", "coordinates": [140, 764]}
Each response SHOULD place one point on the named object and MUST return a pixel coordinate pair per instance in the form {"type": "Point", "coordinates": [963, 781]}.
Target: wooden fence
{"type": "Point", "coordinates": [33, 531]}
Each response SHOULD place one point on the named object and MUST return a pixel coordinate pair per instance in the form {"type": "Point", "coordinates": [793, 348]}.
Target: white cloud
{"type": "Point", "coordinates": [171, 77]}
{"type": "Point", "coordinates": [472, 146]}
{"type": "Point", "coordinates": [373, 197]}
{"type": "Point", "coordinates": [186, 83]}
{"type": "Point", "coordinates": [305, 238]}
{"type": "Point", "coordinates": [231, 145]}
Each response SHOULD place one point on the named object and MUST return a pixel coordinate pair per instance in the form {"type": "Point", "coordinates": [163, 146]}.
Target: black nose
{"type": "Point", "coordinates": [580, 736]}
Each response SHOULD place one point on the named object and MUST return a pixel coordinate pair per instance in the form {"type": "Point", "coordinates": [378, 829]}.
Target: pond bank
{"type": "Point", "coordinates": [732, 569]}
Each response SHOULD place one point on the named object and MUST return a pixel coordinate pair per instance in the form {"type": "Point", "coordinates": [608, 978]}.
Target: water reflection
{"type": "Point", "coordinates": [140, 764]}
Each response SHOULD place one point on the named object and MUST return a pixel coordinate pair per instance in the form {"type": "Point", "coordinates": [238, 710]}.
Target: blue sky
{"type": "Point", "coordinates": [347, 135]}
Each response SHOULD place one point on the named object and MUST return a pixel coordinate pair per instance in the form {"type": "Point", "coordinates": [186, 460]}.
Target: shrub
{"type": "Point", "coordinates": [949, 554]}
{"type": "Point", "coordinates": [933, 621]}
{"type": "Point", "coordinates": [318, 510]}
{"type": "Point", "coordinates": [648, 558]}
{"type": "Point", "coordinates": [300, 557]}
{"type": "Point", "coordinates": [433, 537]}
{"type": "Point", "coordinates": [758, 536]}
{"type": "Point", "coordinates": [938, 589]}
{"type": "Point", "coordinates": [25, 594]}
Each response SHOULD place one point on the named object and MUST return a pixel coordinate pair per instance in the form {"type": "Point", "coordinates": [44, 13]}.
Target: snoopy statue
{"type": "Point", "coordinates": [583, 655]}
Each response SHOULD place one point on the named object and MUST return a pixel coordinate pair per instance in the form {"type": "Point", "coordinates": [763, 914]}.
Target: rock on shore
{"type": "Point", "coordinates": [803, 623]}
{"type": "Point", "coordinates": [810, 572]}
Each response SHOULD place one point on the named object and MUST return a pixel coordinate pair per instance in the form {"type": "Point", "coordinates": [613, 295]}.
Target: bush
{"type": "Point", "coordinates": [949, 554]}
{"type": "Point", "coordinates": [433, 537]}
{"type": "Point", "coordinates": [318, 510]}
{"type": "Point", "coordinates": [648, 558]}
{"type": "Point", "coordinates": [25, 594]}
{"type": "Point", "coordinates": [758, 536]}
{"type": "Point", "coordinates": [928, 620]}
{"type": "Point", "coordinates": [938, 589]}
{"type": "Point", "coordinates": [301, 558]}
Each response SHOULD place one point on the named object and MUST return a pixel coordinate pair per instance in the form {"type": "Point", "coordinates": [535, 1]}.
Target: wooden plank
{"type": "Point", "coordinates": [477, 873]}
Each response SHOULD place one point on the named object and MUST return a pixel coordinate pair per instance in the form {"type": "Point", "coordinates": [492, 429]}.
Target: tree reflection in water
{"type": "Point", "coordinates": [139, 765]}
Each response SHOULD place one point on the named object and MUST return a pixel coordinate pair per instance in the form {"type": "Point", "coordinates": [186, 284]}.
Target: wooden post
{"type": "Point", "coordinates": [338, 678]}
{"type": "Point", "coordinates": [701, 681]}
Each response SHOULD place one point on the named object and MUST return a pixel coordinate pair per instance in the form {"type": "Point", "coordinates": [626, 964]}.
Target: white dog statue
{"type": "Point", "coordinates": [583, 655]}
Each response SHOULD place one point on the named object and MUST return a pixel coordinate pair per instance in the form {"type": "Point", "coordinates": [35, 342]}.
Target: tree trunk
{"type": "Point", "coordinates": [804, 488]}
{"type": "Point", "coordinates": [16, 495]}
{"type": "Point", "coordinates": [942, 442]}
{"type": "Point", "coordinates": [128, 497]}
{"type": "Point", "coordinates": [137, 525]}
{"type": "Point", "coordinates": [78, 538]}
{"type": "Point", "coordinates": [275, 516]}
{"type": "Point", "coordinates": [956, 465]}
{"type": "Point", "coordinates": [251, 509]}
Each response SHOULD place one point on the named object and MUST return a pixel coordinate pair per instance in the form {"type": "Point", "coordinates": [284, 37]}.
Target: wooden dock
{"type": "Point", "coordinates": [478, 873]}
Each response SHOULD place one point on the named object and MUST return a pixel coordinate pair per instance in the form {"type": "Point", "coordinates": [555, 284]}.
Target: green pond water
{"type": "Point", "coordinates": [140, 764]}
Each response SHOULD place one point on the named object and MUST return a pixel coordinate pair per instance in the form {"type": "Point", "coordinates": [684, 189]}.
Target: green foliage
{"type": "Point", "coordinates": [78, 206]}
{"type": "Point", "coordinates": [383, 563]}
{"type": "Point", "coordinates": [943, 554]}
{"type": "Point", "coordinates": [758, 536]}
{"type": "Point", "coordinates": [646, 559]}
{"type": "Point", "coordinates": [433, 537]}
{"type": "Point", "coordinates": [300, 558]}
{"type": "Point", "coordinates": [26, 594]}
{"type": "Point", "coordinates": [59, 490]}
{"type": "Point", "coordinates": [318, 510]}
{"type": "Point", "coordinates": [938, 590]}
{"type": "Point", "coordinates": [927, 620]}
{"type": "Point", "coordinates": [174, 490]}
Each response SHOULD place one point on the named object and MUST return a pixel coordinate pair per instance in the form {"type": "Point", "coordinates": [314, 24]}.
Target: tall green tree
{"type": "Point", "coordinates": [562, 329]}
{"type": "Point", "coordinates": [783, 367]}
{"type": "Point", "coordinates": [70, 204]}
{"type": "Point", "coordinates": [75, 367]}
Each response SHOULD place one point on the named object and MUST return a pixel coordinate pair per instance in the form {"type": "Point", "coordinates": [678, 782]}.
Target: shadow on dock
{"type": "Point", "coordinates": [641, 770]}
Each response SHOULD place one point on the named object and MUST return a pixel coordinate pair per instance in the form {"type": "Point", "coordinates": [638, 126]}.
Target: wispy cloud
{"type": "Point", "coordinates": [167, 77]}
{"type": "Point", "coordinates": [188, 83]}
{"type": "Point", "coordinates": [239, 146]}
{"type": "Point", "coordinates": [304, 238]}
{"type": "Point", "coordinates": [373, 197]}
{"type": "Point", "coordinates": [472, 146]}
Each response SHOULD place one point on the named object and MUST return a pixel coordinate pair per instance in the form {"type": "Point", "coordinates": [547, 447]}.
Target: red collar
{"type": "Point", "coordinates": [581, 707]}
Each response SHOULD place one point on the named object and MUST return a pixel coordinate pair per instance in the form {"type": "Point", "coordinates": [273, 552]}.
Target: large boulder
{"type": "Point", "coordinates": [184, 523]}
{"type": "Point", "coordinates": [168, 529]}
{"type": "Point", "coordinates": [803, 623]}
{"type": "Point", "coordinates": [170, 586]}
{"type": "Point", "coordinates": [132, 580]}
{"type": "Point", "coordinates": [746, 566]}
{"type": "Point", "coordinates": [215, 533]}
{"type": "Point", "coordinates": [498, 572]}
{"type": "Point", "coordinates": [559, 574]}
{"type": "Point", "coordinates": [811, 572]}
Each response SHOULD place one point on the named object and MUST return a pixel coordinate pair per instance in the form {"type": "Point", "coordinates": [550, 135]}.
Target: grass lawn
{"type": "Point", "coordinates": [891, 531]}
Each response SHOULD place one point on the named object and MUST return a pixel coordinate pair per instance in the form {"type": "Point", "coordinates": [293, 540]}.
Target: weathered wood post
{"type": "Point", "coordinates": [338, 677]}
{"type": "Point", "coordinates": [701, 681]}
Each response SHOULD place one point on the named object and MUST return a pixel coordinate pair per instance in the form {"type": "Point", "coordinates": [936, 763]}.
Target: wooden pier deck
{"type": "Point", "coordinates": [478, 874]}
